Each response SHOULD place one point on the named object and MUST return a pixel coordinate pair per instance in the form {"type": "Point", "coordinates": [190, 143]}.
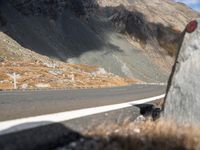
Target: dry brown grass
{"type": "Point", "coordinates": [71, 76]}
{"type": "Point", "coordinates": [141, 136]}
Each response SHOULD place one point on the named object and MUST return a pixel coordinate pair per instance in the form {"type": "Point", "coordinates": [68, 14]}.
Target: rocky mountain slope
{"type": "Point", "coordinates": [132, 38]}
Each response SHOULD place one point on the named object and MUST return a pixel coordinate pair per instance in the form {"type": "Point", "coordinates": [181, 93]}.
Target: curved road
{"type": "Point", "coordinates": [20, 104]}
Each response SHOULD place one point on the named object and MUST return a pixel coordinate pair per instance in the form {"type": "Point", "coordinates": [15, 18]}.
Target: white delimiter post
{"type": "Point", "coordinates": [14, 76]}
{"type": "Point", "coordinates": [15, 80]}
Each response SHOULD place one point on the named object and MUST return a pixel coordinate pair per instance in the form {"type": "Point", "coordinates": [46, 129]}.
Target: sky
{"type": "Point", "coordinates": [195, 4]}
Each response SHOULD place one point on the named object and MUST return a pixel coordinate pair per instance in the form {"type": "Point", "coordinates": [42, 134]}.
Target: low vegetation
{"type": "Point", "coordinates": [140, 136]}
{"type": "Point", "coordinates": [52, 75]}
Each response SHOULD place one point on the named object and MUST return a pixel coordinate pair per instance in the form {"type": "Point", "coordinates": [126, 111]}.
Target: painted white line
{"type": "Point", "coordinates": [144, 83]}
{"type": "Point", "coordinates": [32, 122]}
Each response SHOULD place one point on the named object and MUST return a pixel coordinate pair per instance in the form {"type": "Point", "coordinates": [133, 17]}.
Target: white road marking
{"type": "Point", "coordinates": [163, 84]}
{"type": "Point", "coordinates": [33, 122]}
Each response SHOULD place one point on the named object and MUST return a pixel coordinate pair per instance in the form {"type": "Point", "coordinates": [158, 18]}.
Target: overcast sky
{"type": "Point", "coordinates": [195, 4]}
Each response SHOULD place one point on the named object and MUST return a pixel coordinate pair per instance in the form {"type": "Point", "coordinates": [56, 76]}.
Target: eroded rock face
{"type": "Point", "coordinates": [131, 22]}
{"type": "Point", "coordinates": [182, 103]}
{"type": "Point", "coordinates": [52, 8]}
{"type": "Point", "coordinates": [34, 7]}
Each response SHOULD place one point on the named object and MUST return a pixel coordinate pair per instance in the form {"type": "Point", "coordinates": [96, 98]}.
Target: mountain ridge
{"type": "Point", "coordinates": [132, 38]}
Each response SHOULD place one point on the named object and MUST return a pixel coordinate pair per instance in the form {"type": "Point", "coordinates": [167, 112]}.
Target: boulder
{"type": "Point", "coordinates": [182, 102]}
{"type": "Point", "coordinates": [43, 85]}
{"type": "Point", "coordinates": [2, 59]}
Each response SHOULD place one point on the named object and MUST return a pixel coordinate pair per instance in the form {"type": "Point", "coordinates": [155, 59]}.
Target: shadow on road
{"type": "Point", "coordinates": [41, 138]}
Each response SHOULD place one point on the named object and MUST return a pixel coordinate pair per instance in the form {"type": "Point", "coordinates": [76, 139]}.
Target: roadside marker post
{"type": "Point", "coordinates": [14, 76]}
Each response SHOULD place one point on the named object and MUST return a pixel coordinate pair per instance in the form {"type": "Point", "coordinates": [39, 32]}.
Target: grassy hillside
{"type": "Point", "coordinates": [57, 75]}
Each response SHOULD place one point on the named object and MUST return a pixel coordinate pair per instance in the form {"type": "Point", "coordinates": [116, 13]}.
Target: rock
{"type": "Point", "coordinates": [100, 71]}
{"type": "Point", "coordinates": [56, 72]}
{"type": "Point", "coordinates": [140, 119]}
{"type": "Point", "coordinates": [2, 21]}
{"type": "Point", "coordinates": [72, 77]}
{"type": "Point", "coordinates": [2, 59]}
{"type": "Point", "coordinates": [182, 103]}
{"type": "Point", "coordinates": [156, 113]}
{"type": "Point", "coordinates": [136, 130]}
{"type": "Point", "coordinates": [50, 65]}
{"type": "Point", "coordinates": [50, 8]}
{"type": "Point", "coordinates": [131, 22]}
{"type": "Point", "coordinates": [25, 86]}
{"type": "Point", "coordinates": [42, 85]}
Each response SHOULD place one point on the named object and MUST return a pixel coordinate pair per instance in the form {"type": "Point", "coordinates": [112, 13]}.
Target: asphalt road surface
{"type": "Point", "coordinates": [20, 104]}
